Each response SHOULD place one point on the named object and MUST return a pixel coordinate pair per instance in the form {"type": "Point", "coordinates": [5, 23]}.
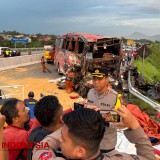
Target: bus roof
{"type": "Point", "coordinates": [86, 36]}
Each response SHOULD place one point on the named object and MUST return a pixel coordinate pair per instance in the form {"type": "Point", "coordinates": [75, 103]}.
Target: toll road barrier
{"type": "Point", "coordinates": [18, 61]}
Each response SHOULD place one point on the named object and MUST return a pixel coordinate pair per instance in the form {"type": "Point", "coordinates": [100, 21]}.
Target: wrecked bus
{"type": "Point", "coordinates": [88, 51]}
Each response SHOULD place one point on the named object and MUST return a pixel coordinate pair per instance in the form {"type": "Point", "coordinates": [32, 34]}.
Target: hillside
{"type": "Point", "coordinates": [155, 37]}
{"type": "Point", "coordinates": [138, 36]}
{"type": "Point", "coordinates": [151, 64]}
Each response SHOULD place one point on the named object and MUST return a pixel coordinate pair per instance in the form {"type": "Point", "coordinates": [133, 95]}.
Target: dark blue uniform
{"type": "Point", "coordinates": [31, 104]}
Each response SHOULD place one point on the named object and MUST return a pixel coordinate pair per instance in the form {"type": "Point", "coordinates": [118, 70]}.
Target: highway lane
{"type": "Point", "coordinates": [8, 77]}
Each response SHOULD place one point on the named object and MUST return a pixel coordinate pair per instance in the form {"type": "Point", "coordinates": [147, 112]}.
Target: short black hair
{"type": "Point", "coordinates": [48, 110]}
{"type": "Point", "coordinates": [86, 128]}
{"type": "Point", "coordinates": [9, 109]}
{"type": "Point", "coordinates": [31, 94]}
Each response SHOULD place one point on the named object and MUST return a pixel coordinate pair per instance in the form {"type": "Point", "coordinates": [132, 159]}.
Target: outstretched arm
{"type": "Point", "coordinates": [135, 134]}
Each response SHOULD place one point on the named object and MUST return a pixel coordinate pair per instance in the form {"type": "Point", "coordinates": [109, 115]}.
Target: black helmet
{"type": "Point", "coordinates": [31, 94]}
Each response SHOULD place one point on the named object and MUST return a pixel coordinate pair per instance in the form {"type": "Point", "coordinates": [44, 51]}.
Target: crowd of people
{"type": "Point", "coordinates": [46, 132]}
{"type": "Point", "coordinates": [128, 56]}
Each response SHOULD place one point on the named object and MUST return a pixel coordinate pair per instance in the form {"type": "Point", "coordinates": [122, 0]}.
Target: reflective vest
{"type": "Point", "coordinates": [7, 52]}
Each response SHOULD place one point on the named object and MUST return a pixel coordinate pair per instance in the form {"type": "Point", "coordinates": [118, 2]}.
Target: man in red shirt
{"type": "Point", "coordinates": [16, 135]}
{"type": "Point", "coordinates": [3, 151]}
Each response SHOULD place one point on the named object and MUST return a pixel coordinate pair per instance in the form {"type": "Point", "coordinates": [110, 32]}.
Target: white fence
{"type": "Point", "coordinates": [16, 91]}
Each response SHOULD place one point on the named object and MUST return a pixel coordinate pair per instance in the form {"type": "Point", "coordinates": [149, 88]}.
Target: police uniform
{"type": "Point", "coordinates": [30, 102]}
{"type": "Point", "coordinates": [137, 136]}
{"type": "Point", "coordinates": [106, 100]}
{"type": "Point", "coordinates": [48, 153]}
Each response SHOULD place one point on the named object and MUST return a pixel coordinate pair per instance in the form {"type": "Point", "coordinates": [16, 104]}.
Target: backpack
{"type": "Point", "coordinates": [37, 135]}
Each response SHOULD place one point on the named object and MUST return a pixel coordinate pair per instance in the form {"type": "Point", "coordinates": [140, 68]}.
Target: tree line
{"type": "Point", "coordinates": [35, 40]}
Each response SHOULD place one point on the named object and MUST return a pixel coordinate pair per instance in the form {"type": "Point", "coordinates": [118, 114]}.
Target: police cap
{"type": "Point", "coordinates": [100, 72]}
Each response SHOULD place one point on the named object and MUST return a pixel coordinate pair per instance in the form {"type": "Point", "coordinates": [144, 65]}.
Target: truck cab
{"type": "Point", "coordinates": [49, 54]}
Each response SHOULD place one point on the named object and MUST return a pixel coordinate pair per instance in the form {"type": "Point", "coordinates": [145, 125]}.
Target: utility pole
{"type": "Point", "coordinates": [143, 60]}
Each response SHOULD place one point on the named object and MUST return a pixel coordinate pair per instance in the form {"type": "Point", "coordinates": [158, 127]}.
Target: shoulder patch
{"type": "Point", "coordinates": [106, 92]}
{"type": "Point", "coordinates": [112, 90]}
{"type": "Point", "coordinates": [45, 156]}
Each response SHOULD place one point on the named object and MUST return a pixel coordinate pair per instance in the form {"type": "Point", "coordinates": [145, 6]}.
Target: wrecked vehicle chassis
{"type": "Point", "coordinates": [88, 51]}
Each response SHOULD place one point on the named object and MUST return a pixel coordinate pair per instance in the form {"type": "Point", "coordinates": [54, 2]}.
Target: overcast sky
{"type": "Point", "coordinates": [104, 17]}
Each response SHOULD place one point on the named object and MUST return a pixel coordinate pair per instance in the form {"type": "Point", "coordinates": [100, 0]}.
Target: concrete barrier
{"type": "Point", "coordinates": [18, 61]}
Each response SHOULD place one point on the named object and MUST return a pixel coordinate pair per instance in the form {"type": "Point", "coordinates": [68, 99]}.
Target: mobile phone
{"type": "Point", "coordinates": [78, 105]}
{"type": "Point", "coordinates": [110, 116]}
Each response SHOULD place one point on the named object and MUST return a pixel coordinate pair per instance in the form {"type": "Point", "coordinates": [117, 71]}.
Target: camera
{"type": "Point", "coordinates": [110, 116]}
{"type": "Point", "coordinates": [78, 105]}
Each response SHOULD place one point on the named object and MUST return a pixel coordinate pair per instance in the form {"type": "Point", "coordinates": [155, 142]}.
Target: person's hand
{"type": "Point", "coordinates": [92, 107]}
{"type": "Point", "coordinates": [128, 120]}
{"type": "Point", "coordinates": [82, 101]}
{"type": "Point", "coordinates": [2, 121]}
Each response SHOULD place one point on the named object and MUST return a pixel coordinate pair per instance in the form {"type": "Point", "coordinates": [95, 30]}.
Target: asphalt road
{"type": "Point", "coordinates": [33, 79]}
{"type": "Point", "coordinates": [28, 75]}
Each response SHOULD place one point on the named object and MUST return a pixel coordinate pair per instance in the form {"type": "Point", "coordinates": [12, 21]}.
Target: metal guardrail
{"type": "Point", "coordinates": [136, 93]}
{"type": "Point", "coordinates": [27, 49]}
{"type": "Point", "coordinates": [18, 61]}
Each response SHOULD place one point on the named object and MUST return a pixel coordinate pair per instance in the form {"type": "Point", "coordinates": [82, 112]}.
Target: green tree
{"type": "Point", "coordinates": [35, 42]}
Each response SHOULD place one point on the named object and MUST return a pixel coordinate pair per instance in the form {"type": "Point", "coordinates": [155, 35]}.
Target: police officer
{"type": "Point", "coordinates": [102, 96]}
{"type": "Point", "coordinates": [30, 102]}
{"type": "Point", "coordinates": [85, 146]}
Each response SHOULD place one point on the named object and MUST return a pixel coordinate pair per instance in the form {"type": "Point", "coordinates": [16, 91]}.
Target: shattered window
{"type": "Point", "coordinates": [60, 43]}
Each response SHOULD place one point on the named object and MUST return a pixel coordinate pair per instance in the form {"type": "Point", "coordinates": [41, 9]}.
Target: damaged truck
{"type": "Point", "coordinates": [83, 52]}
